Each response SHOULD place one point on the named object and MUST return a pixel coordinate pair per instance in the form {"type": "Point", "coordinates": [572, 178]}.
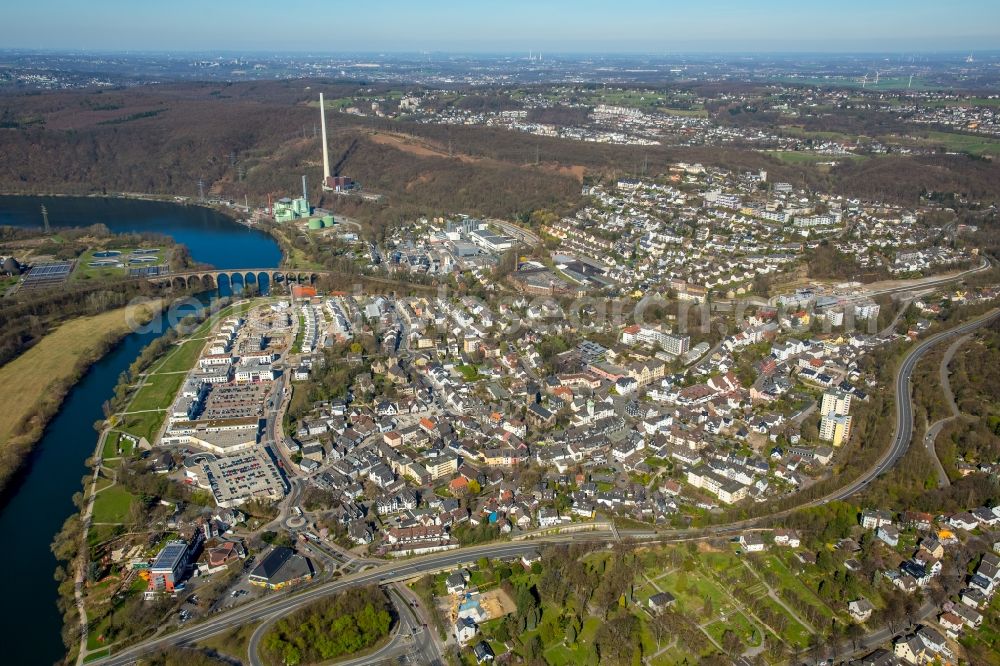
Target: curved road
{"type": "Point", "coordinates": [390, 572]}
{"type": "Point", "coordinates": [930, 438]}
{"type": "Point", "coordinates": [271, 606]}
{"type": "Point", "coordinates": [904, 405]}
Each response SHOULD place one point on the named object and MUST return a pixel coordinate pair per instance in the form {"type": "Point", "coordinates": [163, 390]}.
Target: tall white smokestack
{"type": "Point", "coordinates": [326, 154]}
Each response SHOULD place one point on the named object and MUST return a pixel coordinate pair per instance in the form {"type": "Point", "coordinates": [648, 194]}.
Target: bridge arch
{"type": "Point", "coordinates": [224, 284]}
{"type": "Point", "coordinates": [264, 283]}
{"type": "Point", "coordinates": [235, 281]}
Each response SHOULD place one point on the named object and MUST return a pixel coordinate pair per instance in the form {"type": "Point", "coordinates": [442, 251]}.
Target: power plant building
{"type": "Point", "coordinates": [286, 209]}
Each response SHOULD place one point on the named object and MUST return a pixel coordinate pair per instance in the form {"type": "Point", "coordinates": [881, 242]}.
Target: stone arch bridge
{"type": "Point", "coordinates": [263, 278]}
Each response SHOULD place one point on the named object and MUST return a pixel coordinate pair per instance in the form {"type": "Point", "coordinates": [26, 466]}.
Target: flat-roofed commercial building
{"type": "Point", "coordinates": [220, 436]}
{"type": "Point", "coordinates": [491, 242]}
{"type": "Point", "coordinates": [235, 480]}
{"type": "Point", "coordinates": [167, 569]}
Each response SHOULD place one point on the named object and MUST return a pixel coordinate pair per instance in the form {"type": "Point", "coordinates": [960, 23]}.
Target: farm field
{"type": "Point", "coordinates": [43, 372]}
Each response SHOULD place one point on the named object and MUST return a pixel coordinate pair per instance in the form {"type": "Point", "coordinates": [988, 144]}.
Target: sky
{"type": "Point", "coordinates": [510, 26]}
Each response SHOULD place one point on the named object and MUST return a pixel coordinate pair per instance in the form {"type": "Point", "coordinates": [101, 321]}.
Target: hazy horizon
{"type": "Point", "coordinates": [497, 54]}
{"type": "Point", "coordinates": [634, 27]}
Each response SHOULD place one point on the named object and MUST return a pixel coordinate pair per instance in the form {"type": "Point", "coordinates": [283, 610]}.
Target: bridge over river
{"type": "Point", "coordinates": [264, 278]}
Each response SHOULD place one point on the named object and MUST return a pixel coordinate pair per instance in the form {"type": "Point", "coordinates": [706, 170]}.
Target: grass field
{"type": "Point", "coordinates": [111, 505]}
{"type": "Point", "coordinates": [791, 582]}
{"type": "Point", "coordinates": [300, 336]}
{"type": "Point", "coordinates": [957, 143]}
{"type": "Point", "coordinates": [468, 372]}
{"type": "Point", "coordinates": [144, 424]}
{"type": "Point", "coordinates": [884, 83]}
{"type": "Point", "coordinates": [795, 130]}
{"type": "Point", "coordinates": [110, 449]}
{"type": "Point", "coordinates": [183, 357]}
{"type": "Point", "coordinates": [157, 393]}
{"type": "Point", "coordinates": [689, 113]}
{"type": "Point", "coordinates": [809, 157]}
{"type": "Point", "coordinates": [232, 643]}
{"type": "Point", "coordinates": [39, 372]}
{"type": "Point", "coordinates": [94, 656]}
{"type": "Point", "coordinates": [972, 101]}
{"type": "Point", "coordinates": [738, 624]}
{"type": "Point", "coordinates": [112, 443]}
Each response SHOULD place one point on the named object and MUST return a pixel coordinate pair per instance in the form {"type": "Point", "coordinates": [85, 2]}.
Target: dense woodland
{"type": "Point", "coordinates": [975, 375]}
{"type": "Point", "coordinates": [164, 138]}
{"type": "Point", "coordinates": [826, 262]}
{"type": "Point", "coordinates": [330, 628]}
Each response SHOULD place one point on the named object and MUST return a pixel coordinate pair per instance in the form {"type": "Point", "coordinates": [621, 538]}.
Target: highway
{"type": "Point", "coordinates": [407, 635]}
{"type": "Point", "coordinates": [904, 406]}
{"type": "Point", "coordinates": [273, 606]}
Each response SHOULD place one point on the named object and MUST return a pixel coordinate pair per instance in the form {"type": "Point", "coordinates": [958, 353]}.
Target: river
{"type": "Point", "coordinates": [39, 500]}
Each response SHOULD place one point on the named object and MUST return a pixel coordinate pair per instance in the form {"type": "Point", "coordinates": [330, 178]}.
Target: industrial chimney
{"type": "Point", "coordinates": [326, 151]}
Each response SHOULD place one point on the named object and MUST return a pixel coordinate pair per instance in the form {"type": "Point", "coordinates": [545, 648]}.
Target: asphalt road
{"type": "Point", "coordinates": [407, 635]}
{"type": "Point", "coordinates": [904, 405]}
{"type": "Point", "coordinates": [390, 572]}
{"type": "Point", "coordinates": [273, 606]}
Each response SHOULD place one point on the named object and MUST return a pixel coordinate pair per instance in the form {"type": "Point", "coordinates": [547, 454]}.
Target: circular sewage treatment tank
{"type": "Point", "coordinates": [107, 253]}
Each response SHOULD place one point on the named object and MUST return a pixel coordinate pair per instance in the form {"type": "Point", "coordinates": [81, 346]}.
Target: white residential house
{"type": "Point", "coordinates": [751, 542]}
{"type": "Point", "coordinates": [872, 519]}
{"type": "Point", "coordinates": [860, 609]}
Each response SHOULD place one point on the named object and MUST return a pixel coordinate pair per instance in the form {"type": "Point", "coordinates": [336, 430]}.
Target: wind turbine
{"type": "Point", "coordinates": [910, 83]}
{"type": "Point", "coordinates": [864, 80]}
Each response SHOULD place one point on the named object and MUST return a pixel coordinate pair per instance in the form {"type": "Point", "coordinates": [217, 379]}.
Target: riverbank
{"type": "Point", "coordinates": [40, 498]}
{"type": "Point", "coordinates": [94, 603]}
{"type": "Point", "coordinates": [45, 373]}
{"type": "Point", "coordinates": [132, 196]}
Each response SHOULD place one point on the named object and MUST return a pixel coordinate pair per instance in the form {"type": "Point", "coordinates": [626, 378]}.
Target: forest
{"type": "Point", "coordinates": [975, 373]}
{"type": "Point", "coordinates": [344, 624]}
{"type": "Point", "coordinates": [164, 138]}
